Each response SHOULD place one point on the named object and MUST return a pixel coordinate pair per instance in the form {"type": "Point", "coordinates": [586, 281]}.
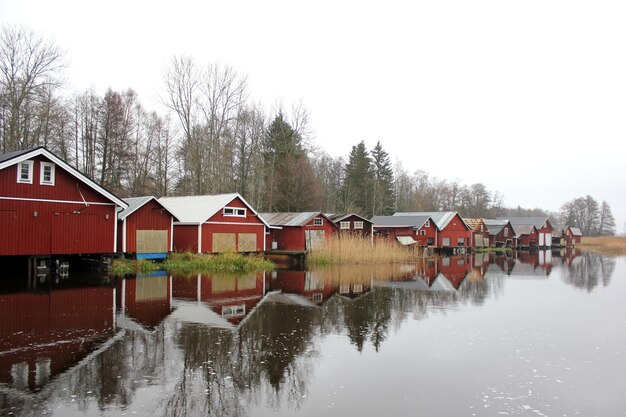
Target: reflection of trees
{"type": "Point", "coordinates": [588, 270]}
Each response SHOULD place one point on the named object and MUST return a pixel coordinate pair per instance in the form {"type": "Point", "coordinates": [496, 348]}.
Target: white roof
{"type": "Point", "coordinates": [197, 209]}
{"type": "Point", "coordinates": [13, 158]}
{"type": "Point", "coordinates": [198, 312]}
{"type": "Point", "coordinates": [406, 240]}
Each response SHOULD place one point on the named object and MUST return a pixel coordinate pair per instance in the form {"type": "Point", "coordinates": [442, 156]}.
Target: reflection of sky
{"type": "Point", "coordinates": [513, 345]}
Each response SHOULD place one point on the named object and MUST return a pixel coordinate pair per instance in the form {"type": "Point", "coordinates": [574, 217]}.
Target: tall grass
{"type": "Point", "coordinates": [610, 245]}
{"type": "Point", "coordinates": [348, 249]}
{"type": "Point", "coordinates": [194, 262]}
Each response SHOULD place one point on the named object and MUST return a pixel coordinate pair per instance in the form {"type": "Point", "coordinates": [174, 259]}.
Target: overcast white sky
{"type": "Point", "coordinates": [528, 97]}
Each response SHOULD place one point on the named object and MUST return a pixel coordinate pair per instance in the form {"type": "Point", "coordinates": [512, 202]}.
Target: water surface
{"type": "Point", "coordinates": [530, 334]}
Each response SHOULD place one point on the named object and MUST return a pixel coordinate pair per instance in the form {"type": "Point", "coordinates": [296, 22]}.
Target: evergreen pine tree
{"type": "Point", "coordinates": [384, 188]}
{"type": "Point", "coordinates": [358, 181]}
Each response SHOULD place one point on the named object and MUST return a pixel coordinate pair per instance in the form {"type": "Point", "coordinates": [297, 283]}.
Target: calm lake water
{"type": "Point", "coordinates": [541, 334]}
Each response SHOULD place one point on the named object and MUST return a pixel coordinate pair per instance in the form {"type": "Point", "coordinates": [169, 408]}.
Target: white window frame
{"type": "Point", "coordinates": [422, 232]}
{"type": "Point", "coordinates": [344, 225]}
{"type": "Point", "coordinates": [357, 288]}
{"type": "Point", "coordinates": [427, 224]}
{"type": "Point", "coordinates": [235, 212]}
{"type": "Point", "coordinates": [30, 165]}
{"type": "Point", "coordinates": [42, 168]}
{"type": "Point", "coordinates": [236, 310]}
{"type": "Point", "coordinates": [506, 232]}
{"type": "Point", "coordinates": [460, 241]}
{"type": "Point", "coordinates": [318, 221]}
{"type": "Point", "coordinates": [358, 225]}
{"type": "Point", "coordinates": [318, 297]}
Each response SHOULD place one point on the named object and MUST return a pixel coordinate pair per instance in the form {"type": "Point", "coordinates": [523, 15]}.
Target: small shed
{"type": "Point", "coordinates": [407, 230]}
{"type": "Point", "coordinates": [215, 223]}
{"type": "Point", "coordinates": [145, 228]}
{"type": "Point", "coordinates": [453, 232]}
{"type": "Point", "coordinates": [573, 236]}
{"type": "Point", "coordinates": [527, 236]}
{"type": "Point", "coordinates": [501, 234]}
{"type": "Point", "coordinates": [47, 207]}
{"type": "Point", "coordinates": [480, 233]}
{"type": "Point", "coordinates": [298, 231]}
{"type": "Point", "coordinates": [352, 224]}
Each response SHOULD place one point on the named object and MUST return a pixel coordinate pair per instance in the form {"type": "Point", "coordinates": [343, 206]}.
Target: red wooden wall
{"type": "Point", "coordinates": [62, 225]}
{"type": "Point", "coordinates": [454, 230]}
{"type": "Point", "coordinates": [294, 237]}
{"type": "Point", "coordinates": [151, 216]}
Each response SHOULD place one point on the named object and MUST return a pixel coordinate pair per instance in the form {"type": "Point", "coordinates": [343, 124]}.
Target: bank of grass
{"type": "Point", "coordinates": [185, 263]}
{"type": "Point", "coordinates": [610, 245]}
{"type": "Point", "coordinates": [361, 250]}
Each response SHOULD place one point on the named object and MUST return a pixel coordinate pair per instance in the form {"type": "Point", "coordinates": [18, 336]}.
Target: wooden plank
{"type": "Point", "coordinates": [224, 242]}
{"type": "Point", "coordinates": [152, 241]}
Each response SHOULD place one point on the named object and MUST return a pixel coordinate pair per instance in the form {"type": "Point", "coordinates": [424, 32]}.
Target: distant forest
{"type": "Point", "coordinates": [211, 138]}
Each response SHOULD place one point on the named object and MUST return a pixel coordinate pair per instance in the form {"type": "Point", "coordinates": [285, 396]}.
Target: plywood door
{"type": "Point", "coordinates": [152, 241]}
{"type": "Point", "coordinates": [542, 237]}
{"type": "Point", "coordinates": [224, 242]}
{"type": "Point", "coordinates": [548, 239]}
{"type": "Point", "coordinates": [314, 239]}
{"type": "Point", "coordinates": [246, 242]}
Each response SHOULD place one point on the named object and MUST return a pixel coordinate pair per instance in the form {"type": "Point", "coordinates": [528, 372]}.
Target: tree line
{"type": "Point", "coordinates": [211, 138]}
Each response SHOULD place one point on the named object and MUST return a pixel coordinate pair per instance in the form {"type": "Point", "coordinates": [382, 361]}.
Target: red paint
{"type": "Point", "coordinates": [55, 227]}
{"type": "Point", "coordinates": [454, 230]}
{"type": "Point", "coordinates": [33, 324]}
{"type": "Point", "coordinates": [294, 237]}
{"type": "Point", "coordinates": [150, 216]}
{"type": "Point", "coordinates": [528, 240]}
{"type": "Point", "coordinates": [454, 268]}
{"type": "Point", "coordinates": [365, 231]}
{"type": "Point", "coordinates": [570, 238]}
{"type": "Point", "coordinates": [186, 236]}
{"type": "Point", "coordinates": [503, 236]}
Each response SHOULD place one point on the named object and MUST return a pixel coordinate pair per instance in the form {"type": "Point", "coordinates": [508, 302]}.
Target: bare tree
{"type": "Point", "coordinates": [29, 72]}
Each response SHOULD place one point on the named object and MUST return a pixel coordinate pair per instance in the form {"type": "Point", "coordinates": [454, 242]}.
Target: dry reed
{"type": "Point", "coordinates": [610, 245]}
{"type": "Point", "coordinates": [349, 249]}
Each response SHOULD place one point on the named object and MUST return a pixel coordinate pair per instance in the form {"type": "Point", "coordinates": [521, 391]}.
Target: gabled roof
{"type": "Point", "coordinates": [495, 226]}
{"type": "Point", "coordinates": [12, 158]}
{"type": "Point", "coordinates": [575, 231]}
{"type": "Point", "coordinates": [523, 229]}
{"type": "Point", "coordinates": [135, 203]}
{"type": "Point", "coordinates": [339, 217]}
{"type": "Point", "coordinates": [197, 209]}
{"type": "Point", "coordinates": [538, 222]}
{"type": "Point", "coordinates": [400, 221]}
{"type": "Point", "coordinates": [292, 219]}
{"type": "Point", "coordinates": [441, 218]}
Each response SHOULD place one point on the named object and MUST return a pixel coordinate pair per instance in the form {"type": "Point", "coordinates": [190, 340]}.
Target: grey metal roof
{"type": "Point", "coordinates": [135, 203]}
{"type": "Point", "coordinates": [441, 218]}
{"type": "Point", "coordinates": [538, 222]}
{"type": "Point", "coordinates": [523, 229]}
{"type": "Point", "coordinates": [11, 155]}
{"type": "Point", "coordinates": [291, 219]}
{"type": "Point", "coordinates": [576, 231]}
{"type": "Point", "coordinates": [399, 221]}
{"type": "Point", "coordinates": [495, 226]}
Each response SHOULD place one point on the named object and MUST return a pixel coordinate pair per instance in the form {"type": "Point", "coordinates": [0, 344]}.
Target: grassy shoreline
{"type": "Point", "coordinates": [193, 262]}
{"type": "Point", "coordinates": [608, 245]}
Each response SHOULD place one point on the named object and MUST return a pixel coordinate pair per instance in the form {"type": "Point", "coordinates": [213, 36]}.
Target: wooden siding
{"type": "Point", "coordinates": [186, 238]}
{"type": "Point", "coordinates": [56, 220]}
{"type": "Point", "coordinates": [454, 230]}
{"type": "Point", "coordinates": [294, 237]}
{"type": "Point", "coordinates": [64, 188]}
{"type": "Point", "coordinates": [58, 228]}
{"type": "Point", "coordinates": [151, 216]}
{"type": "Point", "coordinates": [365, 231]}
{"type": "Point", "coordinates": [208, 231]}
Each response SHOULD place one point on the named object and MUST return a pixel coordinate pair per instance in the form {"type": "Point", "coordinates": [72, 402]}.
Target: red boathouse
{"type": "Point", "coordinates": [145, 228]}
{"type": "Point", "coordinates": [49, 208]}
{"type": "Point", "coordinates": [215, 223]}
{"type": "Point", "coordinates": [453, 231]}
{"type": "Point", "coordinates": [298, 231]}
